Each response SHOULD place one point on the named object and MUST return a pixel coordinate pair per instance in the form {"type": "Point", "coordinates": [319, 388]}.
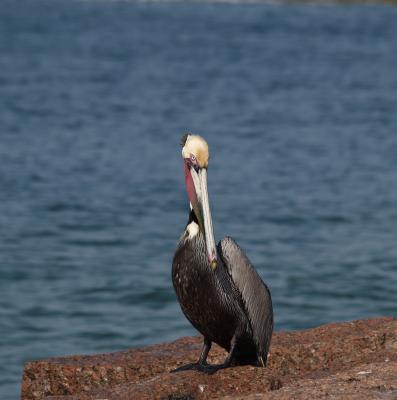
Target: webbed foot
{"type": "Point", "coordinates": [205, 368]}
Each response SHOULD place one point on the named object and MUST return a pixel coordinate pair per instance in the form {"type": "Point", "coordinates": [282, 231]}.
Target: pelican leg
{"type": "Point", "coordinates": [228, 360]}
{"type": "Point", "coordinates": [204, 352]}
{"type": "Point", "coordinates": [201, 364]}
{"type": "Point", "coordinates": [211, 369]}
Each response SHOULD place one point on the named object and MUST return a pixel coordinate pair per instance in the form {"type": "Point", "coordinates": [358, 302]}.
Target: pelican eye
{"type": "Point", "coordinates": [194, 162]}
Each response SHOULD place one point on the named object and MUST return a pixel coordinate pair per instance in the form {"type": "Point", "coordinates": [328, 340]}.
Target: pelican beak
{"type": "Point", "coordinates": [206, 213]}
{"type": "Point", "coordinates": [200, 204]}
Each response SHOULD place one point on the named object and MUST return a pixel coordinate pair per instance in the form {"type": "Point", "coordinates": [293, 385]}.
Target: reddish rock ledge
{"type": "Point", "coordinates": [352, 360]}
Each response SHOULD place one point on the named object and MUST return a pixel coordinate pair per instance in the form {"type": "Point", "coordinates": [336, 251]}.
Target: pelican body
{"type": "Point", "coordinates": [218, 289]}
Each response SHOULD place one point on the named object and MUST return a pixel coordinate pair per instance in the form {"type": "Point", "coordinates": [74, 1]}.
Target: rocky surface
{"type": "Point", "coordinates": [354, 360]}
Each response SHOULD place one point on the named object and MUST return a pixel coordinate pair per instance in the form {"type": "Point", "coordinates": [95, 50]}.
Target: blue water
{"type": "Point", "coordinates": [298, 104]}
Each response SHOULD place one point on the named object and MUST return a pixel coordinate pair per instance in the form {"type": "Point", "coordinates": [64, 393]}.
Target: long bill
{"type": "Point", "coordinates": [207, 220]}
{"type": "Point", "coordinates": [196, 184]}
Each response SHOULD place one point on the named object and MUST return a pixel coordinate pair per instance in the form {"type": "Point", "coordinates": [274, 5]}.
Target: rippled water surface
{"type": "Point", "coordinates": [299, 106]}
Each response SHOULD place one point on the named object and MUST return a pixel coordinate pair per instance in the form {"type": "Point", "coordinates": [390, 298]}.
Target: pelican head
{"type": "Point", "coordinates": [195, 155]}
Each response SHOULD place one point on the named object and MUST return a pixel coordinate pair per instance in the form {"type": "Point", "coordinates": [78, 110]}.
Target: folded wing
{"type": "Point", "coordinates": [254, 293]}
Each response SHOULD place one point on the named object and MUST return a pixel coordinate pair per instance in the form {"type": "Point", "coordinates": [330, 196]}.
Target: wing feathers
{"type": "Point", "coordinates": [254, 293]}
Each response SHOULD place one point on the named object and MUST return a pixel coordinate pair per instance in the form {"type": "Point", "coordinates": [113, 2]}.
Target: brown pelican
{"type": "Point", "coordinates": [218, 289]}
